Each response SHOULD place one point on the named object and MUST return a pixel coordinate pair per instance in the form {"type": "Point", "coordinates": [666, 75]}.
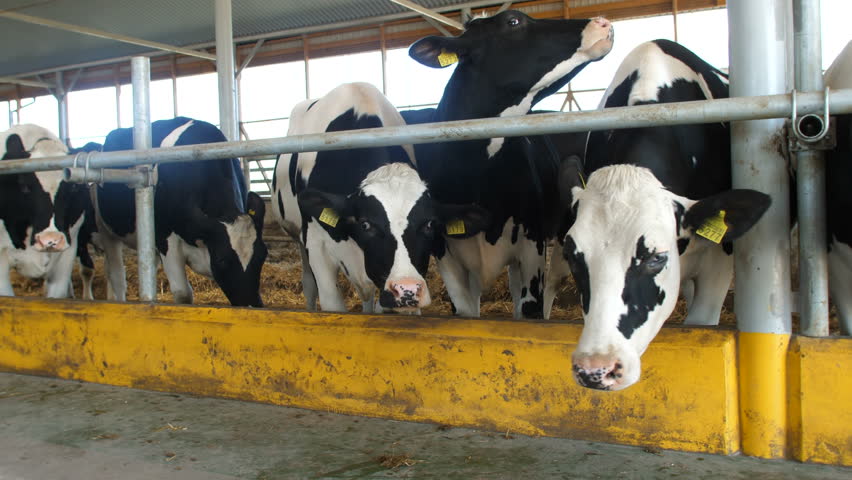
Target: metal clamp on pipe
{"type": "Point", "coordinates": [812, 131]}
{"type": "Point", "coordinates": [132, 178]}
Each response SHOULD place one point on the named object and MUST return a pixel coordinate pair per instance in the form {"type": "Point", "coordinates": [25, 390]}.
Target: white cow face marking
{"type": "Point", "coordinates": [623, 253]}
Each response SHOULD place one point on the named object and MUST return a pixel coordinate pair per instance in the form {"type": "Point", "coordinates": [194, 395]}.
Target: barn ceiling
{"type": "Point", "coordinates": [32, 48]}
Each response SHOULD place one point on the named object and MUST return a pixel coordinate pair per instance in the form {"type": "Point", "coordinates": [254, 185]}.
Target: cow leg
{"type": "Point", "coordinates": [515, 283]}
{"type": "Point", "coordinates": [114, 266]}
{"type": "Point", "coordinates": [711, 286]}
{"type": "Point", "coordinates": [532, 265]}
{"type": "Point", "coordinates": [687, 291]}
{"type": "Point", "coordinates": [58, 280]}
{"type": "Point", "coordinates": [309, 282]}
{"type": "Point", "coordinates": [458, 282]}
{"type": "Point", "coordinates": [325, 272]}
{"type": "Point", "coordinates": [6, 289]}
{"type": "Point", "coordinates": [556, 272]}
{"type": "Point", "coordinates": [87, 274]}
{"type": "Point", "coordinates": [840, 283]}
{"type": "Point", "coordinates": [174, 264]}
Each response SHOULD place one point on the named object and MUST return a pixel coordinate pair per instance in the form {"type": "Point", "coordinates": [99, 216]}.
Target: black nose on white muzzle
{"type": "Point", "coordinates": [598, 372]}
{"type": "Point", "coordinates": [403, 293]}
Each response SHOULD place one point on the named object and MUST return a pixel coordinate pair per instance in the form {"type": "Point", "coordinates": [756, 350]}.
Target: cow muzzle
{"type": "Point", "coordinates": [405, 293]}
{"type": "Point", "coordinates": [598, 38]}
{"type": "Point", "coordinates": [50, 242]}
{"type": "Point", "coordinates": [600, 372]}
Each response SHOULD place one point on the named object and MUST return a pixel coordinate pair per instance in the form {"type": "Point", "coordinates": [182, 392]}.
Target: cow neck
{"type": "Point", "coordinates": [470, 95]}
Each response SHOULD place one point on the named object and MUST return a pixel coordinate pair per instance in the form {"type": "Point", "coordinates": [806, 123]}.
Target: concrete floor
{"type": "Point", "coordinates": [55, 429]}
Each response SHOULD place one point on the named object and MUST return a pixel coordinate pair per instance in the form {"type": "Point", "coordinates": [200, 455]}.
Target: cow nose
{"type": "Point", "coordinates": [598, 372]}
{"type": "Point", "coordinates": [602, 22]}
{"type": "Point", "coordinates": [407, 291]}
{"type": "Point", "coordinates": [50, 242]}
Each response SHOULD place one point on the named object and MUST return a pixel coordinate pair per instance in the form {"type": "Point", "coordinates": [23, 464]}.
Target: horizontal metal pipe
{"type": "Point", "coordinates": [132, 178]}
{"type": "Point", "coordinates": [705, 111]}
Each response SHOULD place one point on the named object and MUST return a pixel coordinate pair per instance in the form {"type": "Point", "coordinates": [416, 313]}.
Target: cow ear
{"type": "Point", "coordinates": [256, 208]}
{"type": "Point", "coordinates": [437, 52]}
{"type": "Point", "coordinates": [726, 216]}
{"type": "Point", "coordinates": [15, 148]}
{"type": "Point", "coordinates": [327, 208]}
{"type": "Point", "coordinates": [462, 221]}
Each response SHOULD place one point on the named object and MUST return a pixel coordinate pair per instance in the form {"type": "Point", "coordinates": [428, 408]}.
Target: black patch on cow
{"type": "Point", "coordinates": [579, 270]}
{"type": "Point", "coordinates": [838, 177]}
{"type": "Point", "coordinates": [311, 105]}
{"type": "Point", "coordinates": [280, 204]}
{"type": "Point", "coordinates": [641, 293]}
{"type": "Point", "coordinates": [621, 93]}
{"type": "Point", "coordinates": [535, 308]}
{"type": "Point", "coordinates": [717, 88]}
{"type": "Point", "coordinates": [274, 179]}
{"type": "Point", "coordinates": [296, 182]}
{"type": "Point", "coordinates": [515, 230]}
{"type": "Point", "coordinates": [192, 199]}
{"type": "Point", "coordinates": [682, 244]}
{"type": "Point", "coordinates": [420, 233]}
{"type": "Point", "coordinates": [728, 248]}
{"type": "Point", "coordinates": [23, 202]}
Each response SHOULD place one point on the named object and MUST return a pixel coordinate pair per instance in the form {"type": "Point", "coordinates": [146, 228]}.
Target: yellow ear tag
{"type": "Point", "coordinates": [329, 217]}
{"type": "Point", "coordinates": [714, 228]}
{"type": "Point", "coordinates": [447, 58]}
{"type": "Point", "coordinates": [455, 227]}
{"type": "Point", "coordinates": [251, 212]}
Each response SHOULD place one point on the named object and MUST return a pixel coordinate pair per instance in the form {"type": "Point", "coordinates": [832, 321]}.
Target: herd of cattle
{"type": "Point", "coordinates": [635, 214]}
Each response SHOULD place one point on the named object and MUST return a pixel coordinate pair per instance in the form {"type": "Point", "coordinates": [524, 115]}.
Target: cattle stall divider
{"type": "Point", "coordinates": [145, 246]}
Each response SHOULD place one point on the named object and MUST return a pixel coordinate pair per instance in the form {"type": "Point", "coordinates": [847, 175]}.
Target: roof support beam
{"type": "Point", "coordinates": [103, 34]}
{"type": "Point", "coordinates": [429, 13]}
{"type": "Point", "coordinates": [27, 83]}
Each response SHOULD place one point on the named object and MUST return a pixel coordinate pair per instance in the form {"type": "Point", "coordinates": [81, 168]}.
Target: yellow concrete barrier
{"type": "Point", "coordinates": [820, 392]}
{"type": "Point", "coordinates": [501, 375]}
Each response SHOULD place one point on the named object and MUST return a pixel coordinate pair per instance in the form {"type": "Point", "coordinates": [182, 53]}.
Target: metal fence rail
{"type": "Point", "coordinates": [705, 111]}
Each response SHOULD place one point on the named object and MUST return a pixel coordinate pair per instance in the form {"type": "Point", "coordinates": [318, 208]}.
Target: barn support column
{"type": "Point", "coordinates": [810, 178]}
{"type": "Point", "coordinates": [225, 70]}
{"type": "Point", "coordinates": [760, 65]}
{"type": "Point", "coordinates": [62, 102]}
{"type": "Point", "coordinates": [140, 72]}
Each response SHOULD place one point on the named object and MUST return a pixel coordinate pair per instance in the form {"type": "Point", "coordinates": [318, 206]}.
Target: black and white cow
{"type": "Point", "coordinates": [838, 166]}
{"type": "Point", "coordinates": [363, 211]}
{"type": "Point", "coordinates": [656, 212]}
{"type": "Point", "coordinates": [41, 214]}
{"type": "Point", "coordinates": [506, 63]}
{"type": "Point", "coordinates": [202, 215]}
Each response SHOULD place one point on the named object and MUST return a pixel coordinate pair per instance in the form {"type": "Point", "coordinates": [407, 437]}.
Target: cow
{"type": "Point", "coordinates": [506, 64]}
{"type": "Point", "coordinates": [364, 211]}
{"type": "Point", "coordinates": [838, 174]}
{"type": "Point", "coordinates": [41, 214]}
{"type": "Point", "coordinates": [658, 210]}
{"type": "Point", "coordinates": [203, 218]}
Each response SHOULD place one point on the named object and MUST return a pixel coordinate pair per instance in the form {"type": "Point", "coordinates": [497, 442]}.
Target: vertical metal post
{"type": "Point", "coordinates": [306, 56]}
{"type": "Point", "coordinates": [810, 179]}
{"type": "Point", "coordinates": [225, 71]}
{"type": "Point", "coordinates": [384, 49]}
{"type": "Point", "coordinates": [760, 62]}
{"type": "Point", "coordinates": [140, 72]}
{"type": "Point", "coordinates": [62, 102]}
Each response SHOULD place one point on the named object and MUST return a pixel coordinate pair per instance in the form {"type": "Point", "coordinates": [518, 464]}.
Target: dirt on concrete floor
{"type": "Point", "coordinates": [58, 429]}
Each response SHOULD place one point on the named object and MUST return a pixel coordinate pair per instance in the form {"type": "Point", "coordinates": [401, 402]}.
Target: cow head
{"type": "Point", "coordinates": [236, 251]}
{"type": "Point", "coordinates": [516, 60]}
{"type": "Point", "coordinates": [396, 224]}
{"type": "Point", "coordinates": [48, 208]}
{"type": "Point", "coordinates": [624, 256]}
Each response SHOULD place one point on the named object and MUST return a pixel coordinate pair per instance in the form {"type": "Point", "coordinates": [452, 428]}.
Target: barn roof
{"type": "Point", "coordinates": [179, 23]}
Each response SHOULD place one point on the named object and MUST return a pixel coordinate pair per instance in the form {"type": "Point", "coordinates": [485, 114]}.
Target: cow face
{"type": "Point", "coordinates": [237, 251]}
{"type": "Point", "coordinates": [396, 224]}
{"type": "Point", "coordinates": [516, 60]}
{"type": "Point", "coordinates": [44, 207]}
{"type": "Point", "coordinates": [624, 256]}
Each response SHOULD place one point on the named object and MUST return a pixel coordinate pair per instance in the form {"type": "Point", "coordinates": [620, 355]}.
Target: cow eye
{"type": "Point", "coordinates": [656, 262]}
{"type": "Point", "coordinates": [366, 226]}
{"type": "Point", "coordinates": [514, 22]}
{"type": "Point", "coordinates": [428, 227]}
